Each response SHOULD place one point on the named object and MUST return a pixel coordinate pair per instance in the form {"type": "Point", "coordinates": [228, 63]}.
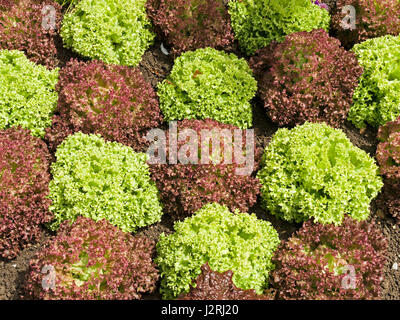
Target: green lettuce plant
{"type": "Point", "coordinates": [376, 100]}
{"type": "Point", "coordinates": [102, 180]}
{"type": "Point", "coordinates": [67, 2]}
{"type": "Point", "coordinates": [314, 171]}
{"type": "Point", "coordinates": [208, 83]}
{"type": "Point", "coordinates": [258, 22]}
{"type": "Point", "coordinates": [227, 241]}
{"type": "Point", "coordinates": [115, 31]}
{"type": "Point", "coordinates": [27, 93]}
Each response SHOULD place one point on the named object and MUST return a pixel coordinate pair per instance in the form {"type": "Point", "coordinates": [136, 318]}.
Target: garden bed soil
{"type": "Point", "coordinates": [155, 66]}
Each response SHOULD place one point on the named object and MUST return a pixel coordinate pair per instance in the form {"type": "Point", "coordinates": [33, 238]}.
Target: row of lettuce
{"type": "Point", "coordinates": [306, 77]}
{"type": "Point", "coordinates": [99, 193]}
{"type": "Point", "coordinates": [311, 171]}
{"type": "Point", "coordinates": [120, 31]}
{"type": "Point", "coordinates": [307, 68]}
{"type": "Point", "coordinates": [72, 143]}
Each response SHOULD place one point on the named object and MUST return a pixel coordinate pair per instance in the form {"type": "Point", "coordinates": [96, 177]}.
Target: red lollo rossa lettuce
{"type": "Point", "coordinates": [354, 21]}
{"type": "Point", "coordinates": [187, 25]}
{"type": "Point", "coordinates": [5, 4]}
{"type": "Point", "coordinates": [113, 101]}
{"type": "Point", "coordinates": [307, 77]}
{"type": "Point", "coordinates": [388, 150]}
{"type": "Point", "coordinates": [91, 260]}
{"type": "Point", "coordinates": [185, 188]}
{"type": "Point", "coordinates": [213, 285]}
{"type": "Point", "coordinates": [328, 262]}
{"type": "Point", "coordinates": [388, 156]}
{"type": "Point", "coordinates": [24, 180]}
{"type": "Point", "coordinates": [31, 26]}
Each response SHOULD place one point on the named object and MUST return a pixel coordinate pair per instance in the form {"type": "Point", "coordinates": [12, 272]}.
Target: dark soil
{"type": "Point", "coordinates": [155, 66]}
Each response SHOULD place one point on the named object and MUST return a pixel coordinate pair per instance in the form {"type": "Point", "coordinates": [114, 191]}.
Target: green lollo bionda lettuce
{"type": "Point", "coordinates": [208, 83]}
{"type": "Point", "coordinates": [102, 180]}
{"type": "Point", "coordinates": [115, 31]}
{"type": "Point", "coordinates": [376, 100]}
{"type": "Point", "coordinates": [27, 93]}
{"type": "Point", "coordinates": [258, 22]}
{"type": "Point", "coordinates": [227, 241]}
{"type": "Point", "coordinates": [314, 171]}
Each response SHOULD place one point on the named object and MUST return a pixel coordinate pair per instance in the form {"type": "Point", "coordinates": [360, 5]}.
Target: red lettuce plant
{"type": "Point", "coordinates": [26, 25]}
{"type": "Point", "coordinates": [24, 179]}
{"type": "Point", "coordinates": [388, 156]}
{"type": "Point", "coordinates": [113, 101]}
{"type": "Point", "coordinates": [372, 19]}
{"type": "Point", "coordinates": [185, 188]}
{"type": "Point", "coordinates": [213, 285]}
{"type": "Point", "coordinates": [92, 260]}
{"type": "Point", "coordinates": [307, 77]}
{"type": "Point", "coordinates": [187, 25]}
{"type": "Point", "coordinates": [5, 4]}
{"type": "Point", "coordinates": [388, 151]}
{"type": "Point", "coordinates": [323, 262]}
